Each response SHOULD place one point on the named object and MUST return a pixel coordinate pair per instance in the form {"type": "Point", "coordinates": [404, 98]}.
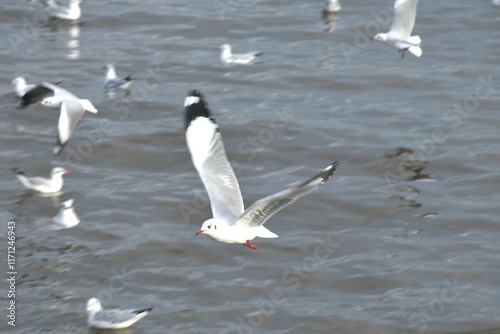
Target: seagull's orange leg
{"type": "Point", "coordinates": [250, 245]}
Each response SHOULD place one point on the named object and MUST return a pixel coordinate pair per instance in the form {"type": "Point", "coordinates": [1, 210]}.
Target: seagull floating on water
{"type": "Point", "coordinates": [66, 216]}
{"type": "Point", "coordinates": [331, 7]}
{"type": "Point", "coordinates": [41, 184]}
{"type": "Point", "coordinates": [97, 317]}
{"type": "Point", "coordinates": [111, 81]}
{"type": "Point", "coordinates": [227, 57]}
{"type": "Point", "coordinates": [399, 36]}
{"type": "Point", "coordinates": [230, 222]}
{"type": "Point", "coordinates": [20, 86]}
{"type": "Point", "coordinates": [71, 12]}
{"type": "Point", "coordinates": [52, 96]}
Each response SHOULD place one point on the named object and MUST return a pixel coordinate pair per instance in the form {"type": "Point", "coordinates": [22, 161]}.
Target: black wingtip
{"type": "Point", "coordinates": [129, 78]}
{"type": "Point", "coordinates": [143, 310]}
{"type": "Point", "coordinates": [328, 171]}
{"type": "Point", "coordinates": [194, 107]}
{"type": "Point", "coordinates": [59, 147]}
{"type": "Point", "coordinates": [258, 54]}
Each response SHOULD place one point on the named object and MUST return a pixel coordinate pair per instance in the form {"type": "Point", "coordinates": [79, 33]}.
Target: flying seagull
{"type": "Point", "coordinates": [97, 317]}
{"type": "Point", "coordinates": [227, 57]}
{"type": "Point", "coordinates": [230, 222]}
{"type": "Point", "coordinates": [52, 96]}
{"type": "Point", "coordinates": [399, 36]}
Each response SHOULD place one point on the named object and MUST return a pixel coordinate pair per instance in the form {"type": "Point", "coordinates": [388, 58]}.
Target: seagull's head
{"type": "Point", "coordinates": [18, 81]}
{"type": "Point", "coordinates": [209, 227]}
{"type": "Point", "coordinates": [59, 171]}
{"type": "Point", "coordinates": [225, 48]}
{"type": "Point", "coordinates": [93, 305]}
{"type": "Point", "coordinates": [380, 37]}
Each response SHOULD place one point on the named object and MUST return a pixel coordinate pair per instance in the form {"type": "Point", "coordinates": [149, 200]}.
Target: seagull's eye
{"type": "Point", "coordinates": [215, 227]}
{"type": "Point", "coordinates": [209, 227]}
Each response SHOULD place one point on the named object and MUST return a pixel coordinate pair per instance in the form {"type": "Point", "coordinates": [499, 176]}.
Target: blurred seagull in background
{"type": "Point", "coordinates": [50, 95]}
{"type": "Point", "coordinates": [230, 222]}
{"type": "Point", "coordinates": [40, 184]}
{"type": "Point", "coordinates": [399, 36]}
{"type": "Point", "coordinates": [66, 216]}
{"type": "Point", "coordinates": [331, 7]}
{"type": "Point", "coordinates": [111, 81]}
{"type": "Point", "coordinates": [71, 12]}
{"type": "Point", "coordinates": [227, 57]}
{"type": "Point", "coordinates": [97, 317]}
{"type": "Point", "coordinates": [20, 86]}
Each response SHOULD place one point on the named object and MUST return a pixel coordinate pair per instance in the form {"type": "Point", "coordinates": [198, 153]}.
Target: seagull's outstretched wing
{"type": "Point", "coordinates": [205, 144]}
{"type": "Point", "coordinates": [71, 112]}
{"type": "Point", "coordinates": [257, 214]}
{"type": "Point", "coordinates": [403, 19]}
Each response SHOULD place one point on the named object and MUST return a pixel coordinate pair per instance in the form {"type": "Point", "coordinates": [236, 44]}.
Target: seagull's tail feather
{"type": "Point", "coordinates": [415, 40]}
{"type": "Point", "coordinates": [258, 54]}
{"type": "Point", "coordinates": [415, 50]}
{"type": "Point", "coordinates": [87, 105]}
{"type": "Point", "coordinates": [265, 233]}
{"type": "Point", "coordinates": [129, 78]}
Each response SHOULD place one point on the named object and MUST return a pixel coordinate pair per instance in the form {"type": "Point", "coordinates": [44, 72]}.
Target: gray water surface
{"type": "Point", "coordinates": [403, 239]}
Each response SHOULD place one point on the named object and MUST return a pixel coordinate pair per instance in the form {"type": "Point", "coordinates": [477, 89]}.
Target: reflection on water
{"type": "Point", "coordinates": [66, 34]}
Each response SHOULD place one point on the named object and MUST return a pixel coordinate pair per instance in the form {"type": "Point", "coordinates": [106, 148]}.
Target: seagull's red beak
{"type": "Point", "coordinates": [200, 232]}
{"type": "Point", "coordinates": [66, 172]}
{"type": "Point", "coordinates": [39, 104]}
{"type": "Point", "coordinates": [87, 312]}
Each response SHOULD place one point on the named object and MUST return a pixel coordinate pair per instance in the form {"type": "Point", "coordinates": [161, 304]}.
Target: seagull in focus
{"type": "Point", "coordinates": [71, 12]}
{"type": "Point", "coordinates": [331, 7]}
{"type": "Point", "coordinates": [227, 57]}
{"type": "Point", "coordinates": [97, 317]}
{"type": "Point", "coordinates": [399, 36]}
{"type": "Point", "coordinates": [40, 184]}
{"type": "Point", "coordinates": [20, 86]}
{"type": "Point", "coordinates": [230, 222]}
{"type": "Point", "coordinates": [66, 216]}
{"type": "Point", "coordinates": [50, 95]}
{"type": "Point", "coordinates": [111, 81]}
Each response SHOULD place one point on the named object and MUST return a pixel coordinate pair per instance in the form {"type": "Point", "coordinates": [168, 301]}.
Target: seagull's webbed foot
{"type": "Point", "coordinates": [250, 245]}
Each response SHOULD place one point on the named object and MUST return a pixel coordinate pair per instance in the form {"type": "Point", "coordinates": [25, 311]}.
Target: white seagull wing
{"type": "Point", "coordinates": [257, 214]}
{"type": "Point", "coordinates": [71, 112]}
{"type": "Point", "coordinates": [205, 144]}
{"type": "Point", "coordinates": [117, 318]}
{"type": "Point", "coordinates": [403, 20]}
